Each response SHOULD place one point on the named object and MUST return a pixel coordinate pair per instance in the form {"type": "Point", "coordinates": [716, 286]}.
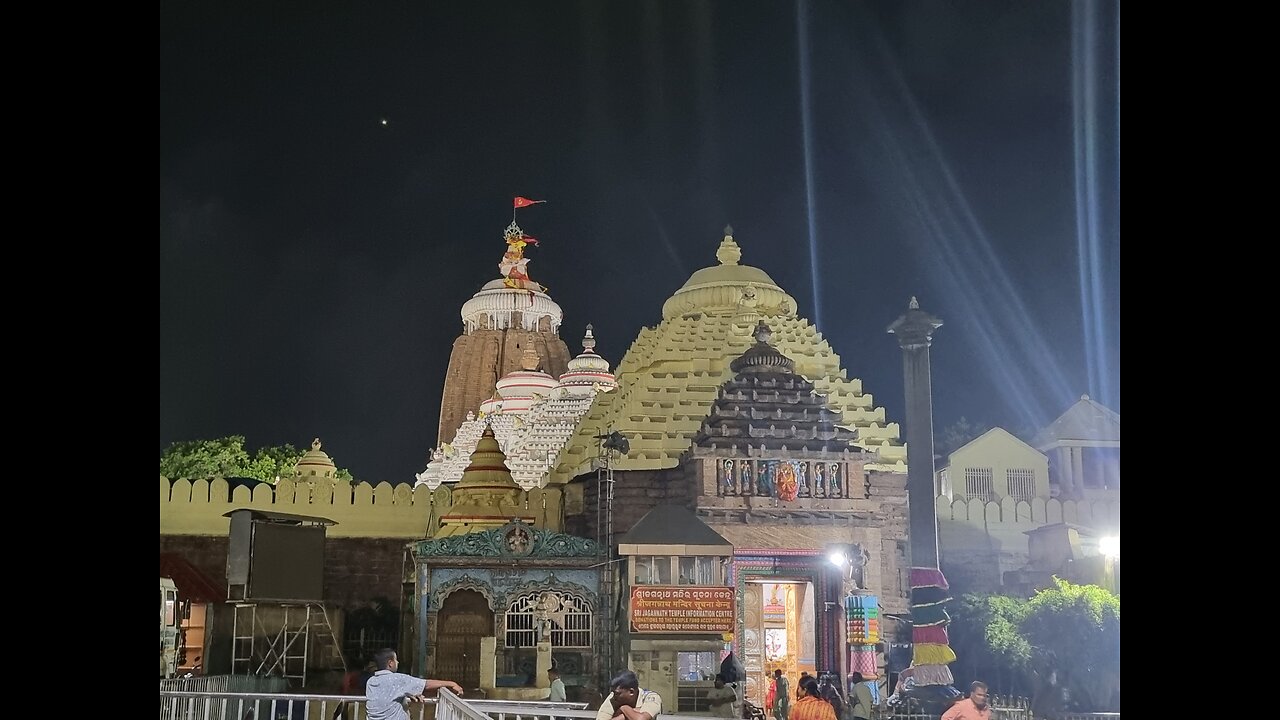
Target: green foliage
{"type": "Point", "coordinates": [204, 458]}
{"type": "Point", "coordinates": [227, 457]}
{"type": "Point", "coordinates": [985, 633]}
{"type": "Point", "coordinates": [270, 463]}
{"type": "Point", "coordinates": [957, 434]}
{"type": "Point", "coordinates": [1075, 633]}
{"type": "Point", "coordinates": [1065, 638]}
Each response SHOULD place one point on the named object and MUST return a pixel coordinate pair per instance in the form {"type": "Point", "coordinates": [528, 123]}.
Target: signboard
{"type": "Point", "coordinates": [681, 609]}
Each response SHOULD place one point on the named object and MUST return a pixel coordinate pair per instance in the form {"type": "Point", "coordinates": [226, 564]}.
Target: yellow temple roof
{"type": "Point", "coordinates": [671, 374]}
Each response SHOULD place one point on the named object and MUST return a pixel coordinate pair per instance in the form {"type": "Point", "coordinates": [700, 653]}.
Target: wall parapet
{"type": "Point", "coordinates": [1025, 515]}
{"type": "Point", "coordinates": [197, 507]}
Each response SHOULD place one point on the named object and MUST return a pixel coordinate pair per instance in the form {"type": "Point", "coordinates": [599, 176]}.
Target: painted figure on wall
{"type": "Point", "coordinates": [819, 480]}
{"type": "Point", "coordinates": [766, 475]}
{"type": "Point", "coordinates": [837, 485]}
{"type": "Point", "coordinates": [787, 490]}
{"type": "Point", "coordinates": [728, 480]}
{"type": "Point", "coordinates": [802, 478]}
{"type": "Point", "coordinates": [748, 480]}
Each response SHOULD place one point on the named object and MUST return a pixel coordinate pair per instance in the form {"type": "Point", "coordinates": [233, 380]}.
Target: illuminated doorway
{"type": "Point", "coordinates": [778, 634]}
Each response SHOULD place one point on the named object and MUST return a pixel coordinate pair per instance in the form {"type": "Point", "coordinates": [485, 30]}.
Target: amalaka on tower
{"type": "Point", "coordinates": [507, 317]}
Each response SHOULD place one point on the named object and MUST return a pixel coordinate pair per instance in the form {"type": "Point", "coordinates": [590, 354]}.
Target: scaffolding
{"type": "Point", "coordinates": [284, 640]}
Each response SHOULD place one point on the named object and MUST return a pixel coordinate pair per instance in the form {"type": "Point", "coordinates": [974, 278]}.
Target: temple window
{"type": "Point", "coordinates": [979, 484]}
{"type": "Point", "coordinates": [699, 570]}
{"type": "Point", "coordinates": [1022, 483]}
{"type": "Point", "coordinates": [653, 570]}
{"type": "Point", "coordinates": [567, 617]}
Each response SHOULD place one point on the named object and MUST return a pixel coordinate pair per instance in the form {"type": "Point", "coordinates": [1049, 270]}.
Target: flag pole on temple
{"type": "Point", "coordinates": [521, 202]}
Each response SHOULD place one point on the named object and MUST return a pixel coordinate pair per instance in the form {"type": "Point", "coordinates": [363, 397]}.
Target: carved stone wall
{"type": "Point", "coordinates": [477, 362]}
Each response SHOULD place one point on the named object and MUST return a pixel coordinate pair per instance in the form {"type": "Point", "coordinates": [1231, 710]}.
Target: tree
{"type": "Point", "coordinates": [204, 458]}
{"type": "Point", "coordinates": [1065, 638]}
{"type": "Point", "coordinates": [957, 434]}
{"type": "Point", "coordinates": [227, 457]}
{"type": "Point", "coordinates": [986, 634]}
{"type": "Point", "coordinates": [271, 463]}
{"type": "Point", "coordinates": [1074, 631]}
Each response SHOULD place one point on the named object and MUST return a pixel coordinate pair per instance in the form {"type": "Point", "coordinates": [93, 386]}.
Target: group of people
{"type": "Point", "coordinates": [389, 692]}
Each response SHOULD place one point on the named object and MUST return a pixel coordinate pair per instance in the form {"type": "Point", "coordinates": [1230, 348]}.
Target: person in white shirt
{"type": "Point", "coordinates": [627, 701]}
{"type": "Point", "coordinates": [557, 686]}
{"type": "Point", "coordinates": [388, 690]}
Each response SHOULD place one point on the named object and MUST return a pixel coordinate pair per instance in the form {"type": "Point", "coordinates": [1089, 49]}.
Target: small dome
{"type": "Point", "coordinates": [492, 405]}
{"type": "Point", "coordinates": [314, 463]}
{"type": "Point", "coordinates": [518, 389]}
{"type": "Point", "coordinates": [588, 369]}
{"type": "Point", "coordinates": [729, 287]}
{"type": "Point", "coordinates": [488, 468]}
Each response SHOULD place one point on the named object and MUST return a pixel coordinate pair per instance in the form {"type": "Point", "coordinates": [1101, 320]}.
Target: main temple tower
{"type": "Point", "coordinates": [505, 318]}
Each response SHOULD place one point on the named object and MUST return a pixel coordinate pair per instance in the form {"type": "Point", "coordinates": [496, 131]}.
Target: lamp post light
{"type": "Point", "coordinates": [1109, 546]}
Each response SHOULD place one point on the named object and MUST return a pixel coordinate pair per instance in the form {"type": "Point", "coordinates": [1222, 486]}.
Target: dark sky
{"type": "Point", "coordinates": [313, 260]}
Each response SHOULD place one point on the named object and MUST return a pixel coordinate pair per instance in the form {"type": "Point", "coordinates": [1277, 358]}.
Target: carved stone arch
{"type": "Point", "coordinates": [496, 602]}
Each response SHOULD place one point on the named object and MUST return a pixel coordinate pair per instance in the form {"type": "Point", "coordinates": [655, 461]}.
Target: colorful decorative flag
{"type": "Point", "coordinates": [529, 239]}
{"type": "Point", "coordinates": [526, 202]}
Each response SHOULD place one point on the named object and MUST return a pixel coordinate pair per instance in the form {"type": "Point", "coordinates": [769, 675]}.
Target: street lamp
{"type": "Point", "coordinates": [1109, 546]}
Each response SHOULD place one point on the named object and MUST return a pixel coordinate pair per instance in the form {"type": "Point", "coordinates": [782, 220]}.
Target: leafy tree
{"type": "Point", "coordinates": [985, 633]}
{"type": "Point", "coordinates": [955, 435]}
{"type": "Point", "coordinates": [204, 458]}
{"type": "Point", "coordinates": [1062, 646]}
{"type": "Point", "coordinates": [227, 457]}
{"type": "Point", "coordinates": [270, 463]}
{"type": "Point", "coordinates": [1074, 631]}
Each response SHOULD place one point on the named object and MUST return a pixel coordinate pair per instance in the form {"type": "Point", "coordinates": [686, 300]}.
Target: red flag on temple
{"type": "Point", "coordinates": [531, 240]}
{"type": "Point", "coordinates": [526, 202]}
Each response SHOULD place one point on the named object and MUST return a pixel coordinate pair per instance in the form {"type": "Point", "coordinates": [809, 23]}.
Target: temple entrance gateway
{"type": "Point", "coordinates": [464, 618]}
{"type": "Point", "coordinates": [779, 633]}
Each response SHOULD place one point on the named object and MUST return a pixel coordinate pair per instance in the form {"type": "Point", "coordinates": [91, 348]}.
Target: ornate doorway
{"type": "Point", "coordinates": [464, 618]}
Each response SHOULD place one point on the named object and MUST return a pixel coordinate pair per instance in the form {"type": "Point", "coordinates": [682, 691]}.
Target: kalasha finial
{"type": "Point", "coordinates": [763, 333]}
{"type": "Point", "coordinates": [914, 304]}
{"type": "Point", "coordinates": [728, 253]}
{"type": "Point", "coordinates": [589, 340]}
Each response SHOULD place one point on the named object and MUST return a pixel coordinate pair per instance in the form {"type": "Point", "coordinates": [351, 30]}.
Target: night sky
{"type": "Point", "coordinates": [313, 260]}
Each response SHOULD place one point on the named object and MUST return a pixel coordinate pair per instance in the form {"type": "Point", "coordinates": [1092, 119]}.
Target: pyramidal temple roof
{"type": "Point", "coordinates": [1087, 422]}
{"type": "Point", "coordinates": [672, 373]}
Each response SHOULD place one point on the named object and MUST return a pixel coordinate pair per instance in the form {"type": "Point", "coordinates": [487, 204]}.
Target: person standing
{"type": "Point", "coordinates": [782, 696]}
{"type": "Point", "coordinates": [557, 686]}
{"type": "Point", "coordinates": [974, 707]}
{"type": "Point", "coordinates": [627, 701]}
{"type": "Point", "coordinates": [860, 697]}
{"type": "Point", "coordinates": [811, 706]}
{"type": "Point", "coordinates": [389, 690]}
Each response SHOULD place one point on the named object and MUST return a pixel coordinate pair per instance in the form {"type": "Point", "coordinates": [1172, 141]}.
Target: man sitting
{"type": "Point", "coordinates": [627, 701]}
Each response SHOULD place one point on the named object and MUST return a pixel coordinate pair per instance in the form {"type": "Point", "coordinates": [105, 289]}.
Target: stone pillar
{"type": "Point", "coordinates": [488, 662]}
{"type": "Point", "coordinates": [543, 664]}
{"type": "Point", "coordinates": [1077, 470]}
{"type": "Point", "coordinates": [1066, 485]}
{"type": "Point", "coordinates": [915, 333]}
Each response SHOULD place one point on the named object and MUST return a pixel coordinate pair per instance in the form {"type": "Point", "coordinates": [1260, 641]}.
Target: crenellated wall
{"type": "Point", "coordinates": [980, 541]}
{"type": "Point", "coordinates": [362, 510]}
